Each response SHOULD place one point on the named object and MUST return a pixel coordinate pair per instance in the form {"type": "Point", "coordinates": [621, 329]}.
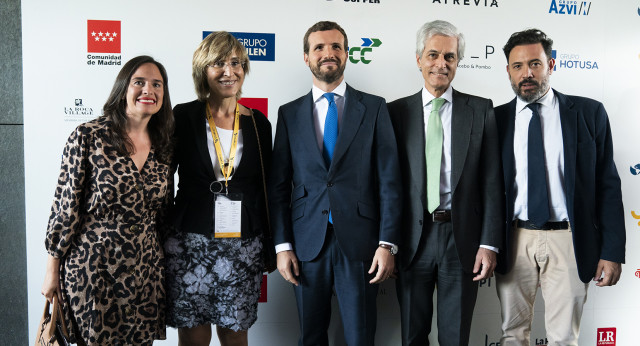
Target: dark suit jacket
{"type": "Point", "coordinates": [476, 184]}
{"type": "Point", "coordinates": [361, 187]}
{"type": "Point", "coordinates": [194, 200]}
{"type": "Point", "coordinates": [592, 184]}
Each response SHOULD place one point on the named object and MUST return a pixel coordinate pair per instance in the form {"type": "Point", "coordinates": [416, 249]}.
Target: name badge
{"type": "Point", "coordinates": [227, 216]}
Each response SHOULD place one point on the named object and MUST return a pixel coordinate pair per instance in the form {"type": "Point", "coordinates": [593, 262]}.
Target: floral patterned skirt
{"type": "Point", "coordinates": [212, 281]}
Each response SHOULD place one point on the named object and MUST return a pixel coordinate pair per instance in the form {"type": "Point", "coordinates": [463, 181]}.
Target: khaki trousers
{"type": "Point", "coordinates": [545, 259]}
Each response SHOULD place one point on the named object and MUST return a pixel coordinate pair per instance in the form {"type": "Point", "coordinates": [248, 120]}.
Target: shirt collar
{"type": "Point", "coordinates": [339, 91]}
{"type": "Point", "coordinates": [427, 97]}
{"type": "Point", "coordinates": [546, 100]}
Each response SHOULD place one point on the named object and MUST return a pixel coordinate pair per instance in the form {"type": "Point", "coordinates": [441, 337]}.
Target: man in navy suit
{"type": "Point", "coordinates": [335, 195]}
{"type": "Point", "coordinates": [452, 220]}
{"type": "Point", "coordinates": [565, 221]}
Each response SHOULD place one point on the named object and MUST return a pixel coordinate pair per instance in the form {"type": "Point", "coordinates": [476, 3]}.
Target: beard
{"type": "Point", "coordinates": [534, 94]}
{"type": "Point", "coordinates": [328, 76]}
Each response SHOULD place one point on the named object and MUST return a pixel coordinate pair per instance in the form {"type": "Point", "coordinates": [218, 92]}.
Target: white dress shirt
{"type": "Point", "coordinates": [225, 142]}
{"type": "Point", "coordinates": [553, 156]}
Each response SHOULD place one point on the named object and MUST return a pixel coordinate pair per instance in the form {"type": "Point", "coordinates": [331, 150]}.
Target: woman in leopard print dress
{"type": "Point", "coordinates": [105, 259]}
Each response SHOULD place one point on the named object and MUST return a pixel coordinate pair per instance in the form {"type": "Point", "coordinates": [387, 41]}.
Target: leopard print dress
{"type": "Point", "coordinates": [103, 228]}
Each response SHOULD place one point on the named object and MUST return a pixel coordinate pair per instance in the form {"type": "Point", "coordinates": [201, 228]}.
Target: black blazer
{"type": "Point", "coordinates": [592, 184]}
{"type": "Point", "coordinates": [194, 201]}
{"type": "Point", "coordinates": [476, 183]}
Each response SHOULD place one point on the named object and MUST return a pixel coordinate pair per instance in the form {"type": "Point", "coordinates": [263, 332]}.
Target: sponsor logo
{"type": "Point", "coordinates": [541, 342]}
{"type": "Point", "coordinates": [78, 112]}
{"type": "Point", "coordinates": [485, 283]}
{"type": "Point", "coordinates": [606, 337]}
{"type": "Point", "coordinates": [635, 170]}
{"type": "Point", "coordinates": [572, 61]}
{"type": "Point", "coordinates": [477, 60]}
{"type": "Point", "coordinates": [637, 274]}
{"type": "Point", "coordinates": [477, 3]}
{"type": "Point", "coordinates": [364, 1]}
{"type": "Point", "coordinates": [259, 46]}
{"type": "Point", "coordinates": [361, 54]}
{"type": "Point", "coordinates": [488, 342]}
{"type": "Point", "coordinates": [103, 36]}
{"type": "Point", "coordinates": [570, 7]}
{"type": "Point", "coordinates": [635, 216]}
{"type": "Point", "coordinates": [261, 104]}
{"type": "Point", "coordinates": [263, 290]}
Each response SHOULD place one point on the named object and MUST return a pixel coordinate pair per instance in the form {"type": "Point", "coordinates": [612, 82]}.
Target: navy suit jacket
{"type": "Point", "coordinates": [362, 186]}
{"type": "Point", "coordinates": [476, 183]}
{"type": "Point", "coordinates": [592, 184]}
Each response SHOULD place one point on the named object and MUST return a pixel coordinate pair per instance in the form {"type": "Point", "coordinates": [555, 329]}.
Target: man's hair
{"type": "Point", "coordinates": [529, 36]}
{"type": "Point", "coordinates": [323, 26]}
{"type": "Point", "coordinates": [442, 28]}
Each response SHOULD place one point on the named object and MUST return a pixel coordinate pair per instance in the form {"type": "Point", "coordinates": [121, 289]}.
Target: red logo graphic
{"type": "Point", "coordinates": [606, 337]}
{"type": "Point", "coordinates": [638, 273]}
{"type": "Point", "coordinates": [263, 290]}
{"type": "Point", "coordinates": [103, 36]}
{"type": "Point", "coordinates": [261, 104]}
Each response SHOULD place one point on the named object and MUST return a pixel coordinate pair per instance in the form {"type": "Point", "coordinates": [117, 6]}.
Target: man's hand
{"type": "Point", "coordinates": [287, 260]}
{"type": "Point", "coordinates": [386, 264]}
{"type": "Point", "coordinates": [608, 273]}
{"type": "Point", "coordinates": [485, 260]}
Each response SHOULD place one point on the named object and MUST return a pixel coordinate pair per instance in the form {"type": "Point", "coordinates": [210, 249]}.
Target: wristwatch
{"type": "Point", "coordinates": [393, 249]}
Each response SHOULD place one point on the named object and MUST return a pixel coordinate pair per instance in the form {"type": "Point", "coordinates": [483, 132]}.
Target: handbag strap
{"type": "Point", "coordinates": [57, 315]}
{"type": "Point", "coordinates": [264, 181]}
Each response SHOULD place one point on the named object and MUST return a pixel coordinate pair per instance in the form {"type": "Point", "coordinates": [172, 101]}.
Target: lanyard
{"type": "Point", "coordinates": [227, 168]}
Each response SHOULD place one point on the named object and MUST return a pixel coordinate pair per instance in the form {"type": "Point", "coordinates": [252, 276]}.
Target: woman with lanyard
{"type": "Point", "coordinates": [214, 262]}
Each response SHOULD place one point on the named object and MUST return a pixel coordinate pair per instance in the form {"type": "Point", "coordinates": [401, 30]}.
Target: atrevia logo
{"type": "Point", "coordinates": [572, 61]}
{"type": "Point", "coordinates": [104, 36]}
{"type": "Point", "coordinates": [477, 3]}
{"type": "Point", "coordinates": [635, 170]}
{"type": "Point", "coordinates": [259, 46]}
{"type": "Point", "coordinates": [635, 216]}
{"type": "Point", "coordinates": [570, 7]}
{"type": "Point", "coordinates": [359, 54]}
{"type": "Point", "coordinates": [606, 337]}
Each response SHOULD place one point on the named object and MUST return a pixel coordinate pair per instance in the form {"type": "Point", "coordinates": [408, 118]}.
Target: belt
{"type": "Point", "coordinates": [441, 216]}
{"type": "Point", "coordinates": [547, 226]}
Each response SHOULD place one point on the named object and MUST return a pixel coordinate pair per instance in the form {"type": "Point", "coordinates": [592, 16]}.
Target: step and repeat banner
{"type": "Point", "coordinates": [73, 49]}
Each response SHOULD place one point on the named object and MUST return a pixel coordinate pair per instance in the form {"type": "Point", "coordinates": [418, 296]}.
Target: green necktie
{"type": "Point", "coordinates": [434, 154]}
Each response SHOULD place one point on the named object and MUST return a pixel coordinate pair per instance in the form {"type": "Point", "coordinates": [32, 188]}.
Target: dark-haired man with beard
{"type": "Point", "coordinates": [565, 220]}
{"type": "Point", "coordinates": [334, 195]}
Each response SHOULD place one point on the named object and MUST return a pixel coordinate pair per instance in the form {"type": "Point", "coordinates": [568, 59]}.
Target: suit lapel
{"type": "Point", "coordinates": [352, 117]}
{"type": "Point", "coordinates": [507, 122]}
{"type": "Point", "coordinates": [303, 126]}
{"type": "Point", "coordinates": [201, 131]}
{"type": "Point", "coordinates": [569, 123]}
{"type": "Point", "coordinates": [461, 123]}
{"type": "Point", "coordinates": [413, 129]}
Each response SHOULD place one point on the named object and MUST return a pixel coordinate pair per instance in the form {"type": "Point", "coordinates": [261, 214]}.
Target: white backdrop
{"type": "Point", "coordinates": [61, 90]}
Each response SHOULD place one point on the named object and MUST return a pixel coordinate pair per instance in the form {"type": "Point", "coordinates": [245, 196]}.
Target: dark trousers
{"type": "Point", "coordinates": [356, 296]}
{"type": "Point", "coordinates": [436, 265]}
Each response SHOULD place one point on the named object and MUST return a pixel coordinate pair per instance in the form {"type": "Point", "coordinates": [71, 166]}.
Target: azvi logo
{"type": "Point", "coordinates": [606, 337]}
{"type": "Point", "coordinates": [570, 7]}
{"type": "Point", "coordinates": [359, 54]}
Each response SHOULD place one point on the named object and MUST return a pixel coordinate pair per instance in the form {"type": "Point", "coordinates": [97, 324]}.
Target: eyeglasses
{"type": "Point", "coordinates": [234, 64]}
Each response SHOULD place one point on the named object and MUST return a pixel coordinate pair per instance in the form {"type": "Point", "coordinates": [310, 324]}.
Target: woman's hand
{"type": "Point", "coordinates": [51, 284]}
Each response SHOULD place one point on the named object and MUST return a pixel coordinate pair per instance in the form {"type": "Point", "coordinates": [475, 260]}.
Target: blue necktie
{"type": "Point", "coordinates": [538, 204]}
{"type": "Point", "coordinates": [330, 133]}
